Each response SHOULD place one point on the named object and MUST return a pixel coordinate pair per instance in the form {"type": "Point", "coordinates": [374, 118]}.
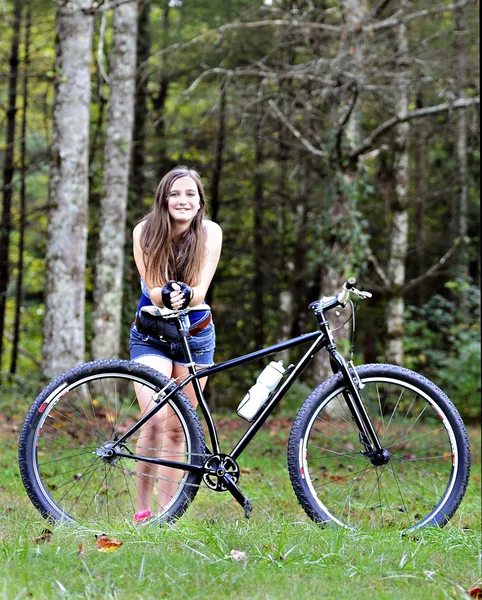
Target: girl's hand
{"type": "Point", "coordinates": [176, 295]}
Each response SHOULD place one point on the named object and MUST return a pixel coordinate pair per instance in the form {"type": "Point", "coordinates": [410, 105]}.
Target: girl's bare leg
{"type": "Point", "coordinates": [173, 441]}
{"type": "Point", "coordinates": [150, 438]}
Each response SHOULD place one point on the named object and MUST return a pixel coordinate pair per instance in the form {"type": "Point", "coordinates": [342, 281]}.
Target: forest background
{"type": "Point", "coordinates": [335, 139]}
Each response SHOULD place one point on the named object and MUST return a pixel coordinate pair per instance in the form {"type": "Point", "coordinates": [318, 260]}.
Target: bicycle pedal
{"type": "Point", "coordinates": [248, 507]}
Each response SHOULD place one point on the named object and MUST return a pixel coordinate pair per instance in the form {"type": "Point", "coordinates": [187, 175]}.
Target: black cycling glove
{"type": "Point", "coordinates": [184, 289]}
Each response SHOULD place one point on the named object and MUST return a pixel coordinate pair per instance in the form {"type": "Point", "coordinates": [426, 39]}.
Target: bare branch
{"type": "Point", "coordinates": [396, 19]}
{"type": "Point", "coordinates": [376, 10]}
{"type": "Point", "coordinates": [344, 121]}
{"type": "Point", "coordinates": [433, 269]}
{"type": "Point", "coordinates": [427, 111]}
{"type": "Point", "coordinates": [378, 268]}
{"type": "Point", "coordinates": [103, 6]}
{"type": "Point", "coordinates": [251, 25]}
{"type": "Point", "coordinates": [23, 351]}
{"type": "Point", "coordinates": [294, 131]}
{"type": "Point", "coordinates": [265, 74]}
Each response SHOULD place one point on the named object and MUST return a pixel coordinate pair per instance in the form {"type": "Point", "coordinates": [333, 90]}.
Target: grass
{"type": "Point", "coordinates": [281, 552]}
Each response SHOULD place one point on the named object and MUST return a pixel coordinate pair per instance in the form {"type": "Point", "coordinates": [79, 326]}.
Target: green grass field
{"type": "Point", "coordinates": [279, 553]}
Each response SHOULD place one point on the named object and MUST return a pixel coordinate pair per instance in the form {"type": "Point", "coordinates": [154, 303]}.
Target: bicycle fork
{"type": "Point", "coordinates": [367, 435]}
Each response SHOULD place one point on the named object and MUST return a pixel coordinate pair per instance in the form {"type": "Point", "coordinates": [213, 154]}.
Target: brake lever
{"type": "Point", "coordinates": [360, 294]}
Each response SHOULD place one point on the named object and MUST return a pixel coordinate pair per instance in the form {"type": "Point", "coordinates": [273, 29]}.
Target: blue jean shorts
{"type": "Point", "coordinates": [201, 345]}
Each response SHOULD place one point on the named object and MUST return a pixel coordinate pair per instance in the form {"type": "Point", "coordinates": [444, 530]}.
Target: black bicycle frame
{"type": "Point", "coordinates": [321, 339]}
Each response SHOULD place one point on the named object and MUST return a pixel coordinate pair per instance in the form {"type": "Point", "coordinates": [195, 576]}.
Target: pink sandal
{"type": "Point", "coordinates": [142, 516]}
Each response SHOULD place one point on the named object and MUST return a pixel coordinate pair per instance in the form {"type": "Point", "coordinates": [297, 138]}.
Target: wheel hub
{"type": "Point", "coordinates": [107, 453]}
{"type": "Point", "coordinates": [378, 458]}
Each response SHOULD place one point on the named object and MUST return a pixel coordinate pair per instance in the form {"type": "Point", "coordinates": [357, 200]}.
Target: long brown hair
{"type": "Point", "coordinates": [167, 258]}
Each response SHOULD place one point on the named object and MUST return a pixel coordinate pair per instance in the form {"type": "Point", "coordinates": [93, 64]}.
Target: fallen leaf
{"type": "Point", "coordinates": [82, 553]}
{"type": "Point", "coordinates": [238, 555]}
{"type": "Point", "coordinates": [245, 470]}
{"type": "Point", "coordinates": [46, 537]}
{"type": "Point", "coordinates": [475, 592]}
{"type": "Point", "coordinates": [105, 544]}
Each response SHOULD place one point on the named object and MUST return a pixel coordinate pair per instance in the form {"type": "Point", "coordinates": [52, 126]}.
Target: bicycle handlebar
{"type": "Point", "coordinates": [328, 302]}
{"type": "Point", "coordinates": [162, 311]}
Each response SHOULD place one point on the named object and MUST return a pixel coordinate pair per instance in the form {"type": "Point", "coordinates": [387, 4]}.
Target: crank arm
{"type": "Point", "coordinates": [238, 495]}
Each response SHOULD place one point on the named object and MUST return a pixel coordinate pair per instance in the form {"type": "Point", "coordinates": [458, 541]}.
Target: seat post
{"type": "Point", "coordinates": [182, 322]}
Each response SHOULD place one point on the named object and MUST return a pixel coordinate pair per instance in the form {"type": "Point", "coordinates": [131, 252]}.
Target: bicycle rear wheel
{"type": "Point", "coordinates": [65, 475]}
{"type": "Point", "coordinates": [426, 475]}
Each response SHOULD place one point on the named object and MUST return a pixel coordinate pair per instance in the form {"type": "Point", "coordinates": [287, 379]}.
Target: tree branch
{"type": "Point", "coordinates": [294, 131]}
{"type": "Point", "coordinates": [433, 269]}
{"type": "Point", "coordinates": [368, 142]}
{"type": "Point", "coordinates": [396, 19]}
{"type": "Point", "coordinates": [256, 73]}
{"type": "Point", "coordinates": [380, 272]}
{"type": "Point", "coordinates": [26, 353]}
{"type": "Point", "coordinates": [251, 25]}
{"type": "Point", "coordinates": [344, 121]}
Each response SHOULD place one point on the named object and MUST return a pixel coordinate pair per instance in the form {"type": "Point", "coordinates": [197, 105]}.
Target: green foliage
{"type": "Point", "coordinates": [444, 344]}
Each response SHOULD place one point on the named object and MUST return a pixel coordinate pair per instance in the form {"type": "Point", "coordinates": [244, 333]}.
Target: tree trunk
{"type": "Point", "coordinates": [64, 335]}
{"type": "Point", "coordinates": [299, 272]}
{"type": "Point", "coordinates": [110, 255]}
{"type": "Point", "coordinates": [23, 203]}
{"type": "Point", "coordinates": [218, 156]}
{"type": "Point", "coordinates": [461, 206]}
{"type": "Point", "coordinates": [8, 169]}
{"type": "Point", "coordinates": [217, 171]}
{"type": "Point", "coordinates": [333, 276]}
{"type": "Point", "coordinates": [137, 178]}
{"type": "Point", "coordinates": [162, 164]}
{"type": "Point", "coordinates": [420, 174]}
{"type": "Point", "coordinates": [332, 279]}
{"type": "Point", "coordinates": [258, 246]}
{"type": "Point", "coordinates": [399, 235]}
{"type": "Point", "coordinates": [353, 15]}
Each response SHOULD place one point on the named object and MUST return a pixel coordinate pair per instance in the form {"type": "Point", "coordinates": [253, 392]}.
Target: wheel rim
{"type": "Point", "coordinates": [77, 420]}
{"type": "Point", "coordinates": [411, 489]}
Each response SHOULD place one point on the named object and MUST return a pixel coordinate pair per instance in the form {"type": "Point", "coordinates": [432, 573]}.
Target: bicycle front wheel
{"type": "Point", "coordinates": [65, 460]}
{"type": "Point", "coordinates": [425, 476]}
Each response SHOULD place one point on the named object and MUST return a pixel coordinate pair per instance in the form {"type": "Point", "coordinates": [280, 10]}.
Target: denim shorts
{"type": "Point", "coordinates": [201, 345]}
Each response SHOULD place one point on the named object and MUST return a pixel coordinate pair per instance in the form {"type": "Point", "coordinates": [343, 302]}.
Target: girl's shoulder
{"type": "Point", "coordinates": [211, 228]}
{"type": "Point", "coordinates": [136, 232]}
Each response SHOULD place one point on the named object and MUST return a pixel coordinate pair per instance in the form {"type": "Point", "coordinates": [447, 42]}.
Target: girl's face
{"type": "Point", "coordinates": [183, 200]}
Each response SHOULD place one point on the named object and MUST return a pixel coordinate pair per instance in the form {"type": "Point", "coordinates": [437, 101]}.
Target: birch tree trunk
{"type": "Point", "coordinates": [399, 234]}
{"type": "Point", "coordinates": [137, 177]}
{"type": "Point", "coordinates": [120, 119]}
{"type": "Point", "coordinates": [63, 343]}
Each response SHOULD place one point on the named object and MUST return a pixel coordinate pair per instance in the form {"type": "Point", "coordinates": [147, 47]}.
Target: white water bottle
{"type": "Point", "coordinates": [267, 380]}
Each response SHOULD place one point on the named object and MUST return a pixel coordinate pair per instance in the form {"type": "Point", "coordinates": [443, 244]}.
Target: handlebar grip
{"type": "Point", "coordinates": [350, 283]}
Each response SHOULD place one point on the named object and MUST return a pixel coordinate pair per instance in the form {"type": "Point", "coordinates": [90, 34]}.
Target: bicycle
{"type": "Point", "coordinates": [374, 445]}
